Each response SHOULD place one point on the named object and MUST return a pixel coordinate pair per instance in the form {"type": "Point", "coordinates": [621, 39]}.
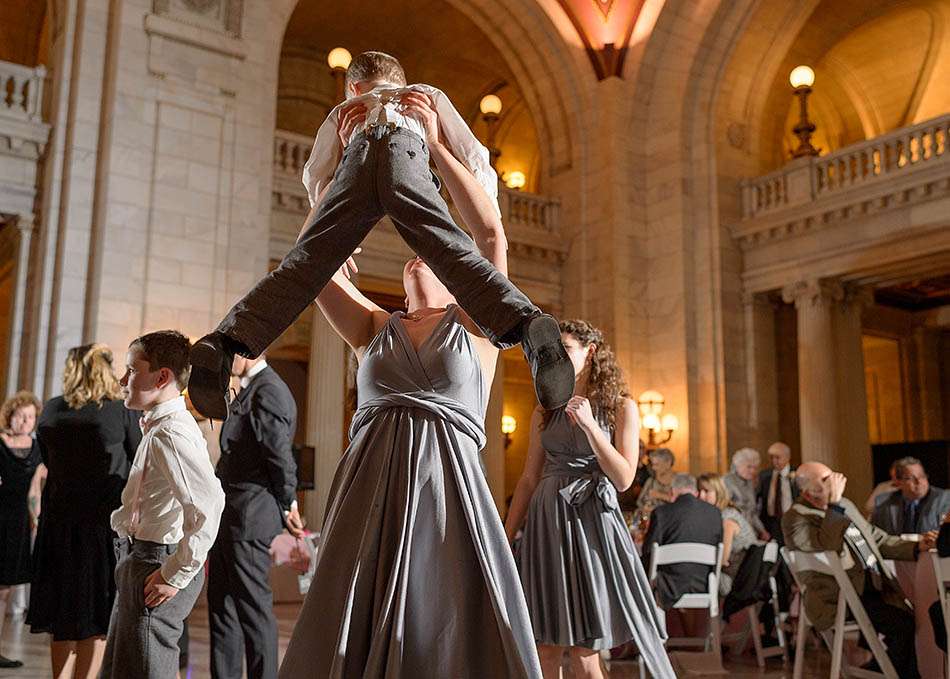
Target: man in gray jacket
{"type": "Point", "coordinates": [916, 506]}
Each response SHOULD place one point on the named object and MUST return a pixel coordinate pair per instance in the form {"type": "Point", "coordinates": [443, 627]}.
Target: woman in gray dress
{"type": "Point", "coordinates": [584, 583]}
{"type": "Point", "coordinates": [414, 577]}
{"type": "Point", "coordinates": [742, 484]}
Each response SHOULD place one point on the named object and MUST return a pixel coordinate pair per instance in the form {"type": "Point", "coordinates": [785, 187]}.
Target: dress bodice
{"type": "Point", "coordinates": [443, 376]}
{"type": "Point", "coordinates": [566, 448]}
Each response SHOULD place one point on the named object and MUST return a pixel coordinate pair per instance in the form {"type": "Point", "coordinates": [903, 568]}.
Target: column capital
{"type": "Point", "coordinates": [858, 296]}
{"type": "Point", "coordinates": [813, 291]}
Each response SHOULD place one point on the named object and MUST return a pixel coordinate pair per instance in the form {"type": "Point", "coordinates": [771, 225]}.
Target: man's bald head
{"type": "Point", "coordinates": [814, 481]}
{"type": "Point", "coordinates": [779, 455]}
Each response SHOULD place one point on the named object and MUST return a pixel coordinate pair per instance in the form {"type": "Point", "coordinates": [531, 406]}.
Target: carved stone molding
{"type": "Point", "coordinates": [813, 292]}
{"type": "Point", "coordinates": [219, 15]}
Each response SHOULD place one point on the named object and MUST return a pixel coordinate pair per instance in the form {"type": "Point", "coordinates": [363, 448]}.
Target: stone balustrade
{"type": "Point", "coordinates": [812, 179]}
{"type": "Point", "coordinates": [21, 91]}
{"type": "Point", "coordinates": [526, 212]}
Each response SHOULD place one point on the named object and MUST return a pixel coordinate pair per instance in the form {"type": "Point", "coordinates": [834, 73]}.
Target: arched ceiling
{"type": "Point", "coordinates": [436, 44]}
{"type": "Point", "coordinates": [22, 25]}
{"type": "Point", "coordinates": [879, 65]}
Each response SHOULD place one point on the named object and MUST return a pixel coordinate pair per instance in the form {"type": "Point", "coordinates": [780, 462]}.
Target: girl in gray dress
{"type": "Point", "coordinates": [414, 577]}
{"type": "Point", "coordinates": [584, 583]}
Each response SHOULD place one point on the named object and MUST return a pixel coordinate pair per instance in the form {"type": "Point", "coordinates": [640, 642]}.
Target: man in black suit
{"type": "Point", "coordinates": [259, 476]}
{"type": "Point", "coordinates": [776, 491]}
{"type": "Point", "coordinates": [686, 519]}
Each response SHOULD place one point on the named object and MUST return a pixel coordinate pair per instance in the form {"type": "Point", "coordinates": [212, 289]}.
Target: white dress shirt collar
{"type": "Point", "coordinates": [164, 409]}
{"type": "Point", "coordinates": [785, 471]}
{"type": "Point", "coordinates": [253, 372]}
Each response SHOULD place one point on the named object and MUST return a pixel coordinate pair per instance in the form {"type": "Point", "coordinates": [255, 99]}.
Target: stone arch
{"type": "Point", "coordinates": [547, 74]}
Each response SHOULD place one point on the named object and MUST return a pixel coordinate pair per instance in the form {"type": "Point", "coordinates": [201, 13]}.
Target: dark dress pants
{"type": "Point", "coordinates": [899, 629]}
{"type": "Point", "coordinates": [241, 609]}
{"type": "Point", "coordinates": [383, 172]}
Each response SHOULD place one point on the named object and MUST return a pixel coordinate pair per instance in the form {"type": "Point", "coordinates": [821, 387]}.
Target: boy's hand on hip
{"type": "Point", "coordinates": [157, 591]}
{"type": "Point", "coordinates": [419, 105]}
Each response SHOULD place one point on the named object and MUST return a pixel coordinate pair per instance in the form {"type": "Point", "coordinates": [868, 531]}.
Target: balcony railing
{"type": "Point", "coordinates": [518, 208]}
{"type": "Point", "coordinates": [888, 156]}
{"type": "Point", "coordinates": [21, 91]}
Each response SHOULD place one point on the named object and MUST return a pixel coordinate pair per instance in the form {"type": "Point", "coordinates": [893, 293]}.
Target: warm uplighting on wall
{"type": "Point", "coordinates": [508, 427]}
{"type": "Point", "coordinates": [515, 180]}
{"type": "Point", "coordinates": [801, 79]}
{"type": "Point", "coordinates": [490, 106]}
{"type": "Point", "coordinates": [651, 405]}
{"type": "Point", "coordinates": [339, 60]}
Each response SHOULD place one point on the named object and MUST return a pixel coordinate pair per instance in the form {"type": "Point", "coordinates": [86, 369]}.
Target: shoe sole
{"type": "Point", "coordinates": [554, 382]}
{"type": "Point", "coordinates": [209, 397]}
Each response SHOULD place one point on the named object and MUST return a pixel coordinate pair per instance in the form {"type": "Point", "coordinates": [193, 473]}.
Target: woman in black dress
{"type": "Point", "coordinates": [19, 457]}
{"type": "Point", "coordinates": [87, 440]}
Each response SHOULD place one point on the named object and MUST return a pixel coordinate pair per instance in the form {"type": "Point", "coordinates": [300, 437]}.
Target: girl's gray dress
{"type": "Point", "coordinates": [582, 575]}
{"type": "Point", "coordinates": [414, 576]}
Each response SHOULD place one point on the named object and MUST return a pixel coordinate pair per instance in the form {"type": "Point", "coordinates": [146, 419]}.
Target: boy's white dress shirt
{"type": "Point", "coordinates": [383, 107]}
{"type": "Point", "coordinates": [172, 495]}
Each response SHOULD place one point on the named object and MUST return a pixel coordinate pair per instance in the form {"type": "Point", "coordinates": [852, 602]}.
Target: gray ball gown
{"type": "Point", "coordinates": [414, 576]}
{"type": "Point", "coordinates": [582, 576]}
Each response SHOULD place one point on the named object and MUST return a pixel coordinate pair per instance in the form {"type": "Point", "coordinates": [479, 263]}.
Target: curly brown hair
{"type": "Point", "coordinates": [21, 399]}
{"type": "Point", "coordinates": [606, 388]}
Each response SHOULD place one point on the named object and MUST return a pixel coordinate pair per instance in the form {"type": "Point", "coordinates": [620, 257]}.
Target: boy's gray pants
{"type": "Point", "coordinates": [384, 171]}
{"type": "Point", "coordinates": [143, 642]}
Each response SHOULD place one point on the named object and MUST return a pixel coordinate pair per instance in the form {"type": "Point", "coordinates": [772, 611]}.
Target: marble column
{"type": "Point", "coordinates": [815, 302]}
{"type": "Point", "coordinates": [854, 445]}
{"type": "Point", "coordinates": [926, 343]}
{"type": "Point", "coordinates": [326, 384]}
{"type": "Point", "coordinates": [493, 455]}
{"type": "Point", "coordinates": [24, 233]}
{"type": "Point", "coordinates": [761, 369]}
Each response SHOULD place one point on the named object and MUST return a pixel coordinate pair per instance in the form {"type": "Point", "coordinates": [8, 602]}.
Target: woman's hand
{"type": "Point", "coordinates": [419, 105]}
{"type": "Point", "coordinates": [351, 116]}
{"type": "Point", "coordinates": [579, 411]}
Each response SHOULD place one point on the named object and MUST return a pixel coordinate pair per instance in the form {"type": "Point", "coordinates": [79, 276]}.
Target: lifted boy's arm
{"type": "Point", "coordinates": [476, 208]}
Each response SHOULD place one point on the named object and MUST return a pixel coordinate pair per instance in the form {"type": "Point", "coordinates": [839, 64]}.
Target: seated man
{"type": "Point", "coordinates": [916, 506]}
{"type": "Point", "coordinates": [685, 519]}
{"type": "Point", "coordinates": [822, 520]}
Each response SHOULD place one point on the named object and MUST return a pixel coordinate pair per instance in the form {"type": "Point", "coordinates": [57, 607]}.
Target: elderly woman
{"type": "Point", "coordinates": [19, 458]}
{"type": "Point", "coordinates": [657, 489]}
{"type": "Point", "coordinates": [737, 534]}
{"type": "Point", "coordinates": [741, 482]}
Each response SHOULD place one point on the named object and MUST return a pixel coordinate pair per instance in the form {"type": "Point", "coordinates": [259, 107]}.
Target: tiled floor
{"type": "Point", "coordinates": [33, 650]}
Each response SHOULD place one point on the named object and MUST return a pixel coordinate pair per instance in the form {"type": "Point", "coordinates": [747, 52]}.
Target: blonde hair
{"type": "Point", "coordinates": [714, 483]}
{"type": "Point", "coordinates": [370, 66]}
{"type": "Point", "coordinates": [88, 377]}
{"type": "Point", "coordinates": [21, 399]}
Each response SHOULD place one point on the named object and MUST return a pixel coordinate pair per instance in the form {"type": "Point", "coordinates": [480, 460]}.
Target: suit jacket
{"type": "Point", "coordinates": [762, 493]}
{"type": "Point", "coordinates": [809, 529]}
{"type": "Point", "coordinates": [257, 468]}
{"type": "Point", "coordinates": [888, 513]}
{"type": "Point", "coordinates": [688, 519]}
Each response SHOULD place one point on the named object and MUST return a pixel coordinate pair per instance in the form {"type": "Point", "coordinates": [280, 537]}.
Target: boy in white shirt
{"type": "Point", "coordinates": [171, 507]}
{"type": "Point", "coordinates": [384, 132]}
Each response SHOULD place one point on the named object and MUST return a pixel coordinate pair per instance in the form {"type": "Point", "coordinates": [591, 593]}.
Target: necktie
{"type": "Point", "coordinates": [778, 506]}
{"type": "Point", "coordinates": [910, 517]}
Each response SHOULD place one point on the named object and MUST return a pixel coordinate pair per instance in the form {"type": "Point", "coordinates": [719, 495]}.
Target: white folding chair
{"type": "Point", "coordinates": [942, 571]}
{"type": "Point", "coordinates": [761, 653]}
{"type": "Point", "coordinates": [702, 554]}
{"type": "Point", "coordinates": [828, 563]}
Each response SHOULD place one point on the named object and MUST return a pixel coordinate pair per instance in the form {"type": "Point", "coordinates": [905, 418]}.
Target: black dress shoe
{"type": "Point", "coordinates": [209, 384]}
{"type": "Point", "coordinates": [8, 664]}
{"type": "Point", "coordinates": [550, 367]}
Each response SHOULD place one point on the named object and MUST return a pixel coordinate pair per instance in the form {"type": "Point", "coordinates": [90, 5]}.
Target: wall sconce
{"type": "Point", "coordinates": [651, 405]}
{"type": "Point", "coordinates": [490, 106]}
{"type": "Point", "coordinates": [515, 180]}
{"type": "Point", "coordinates": [801, 79]}
{"type": "Point", "coordinates": [508, 427]}
{"type": "Point", "coordinates": [339, 60]}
